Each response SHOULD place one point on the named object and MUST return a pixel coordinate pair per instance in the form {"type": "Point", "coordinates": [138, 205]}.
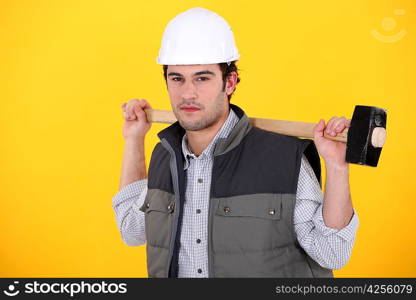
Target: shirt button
{"type": "Point", "coordinates": [199, 271]}
{"type": "Point", "coordinates": [200, 180]}
{"type": "Point", "coordinates": [198, 241]}
{"type": "Point", "coordinates": [198, 211]}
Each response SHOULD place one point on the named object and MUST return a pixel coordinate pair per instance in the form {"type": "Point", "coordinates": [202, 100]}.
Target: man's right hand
{"type": "Point", "coordinates": [136, 125]}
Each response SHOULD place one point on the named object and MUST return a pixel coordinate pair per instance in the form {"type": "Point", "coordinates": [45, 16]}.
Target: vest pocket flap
{"type": "Point", "coordinates": [265, 206]}
{"type": "Point", "coordinates": [157, 200]}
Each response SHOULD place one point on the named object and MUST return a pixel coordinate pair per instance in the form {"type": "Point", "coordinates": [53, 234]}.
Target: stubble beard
{"type": "Point", "coordinates": [210, 119]}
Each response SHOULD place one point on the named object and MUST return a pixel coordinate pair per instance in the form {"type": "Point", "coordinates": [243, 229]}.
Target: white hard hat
{"type": "Point", "coordinates": [197, 36]}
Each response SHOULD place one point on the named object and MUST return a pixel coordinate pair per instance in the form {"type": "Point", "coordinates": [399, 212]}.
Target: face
{"type": "Point", "coordinates": [196, 95]}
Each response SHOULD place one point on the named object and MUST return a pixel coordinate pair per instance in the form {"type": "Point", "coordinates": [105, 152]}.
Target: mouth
{"type": "Point", "coordinates": [189, 108]}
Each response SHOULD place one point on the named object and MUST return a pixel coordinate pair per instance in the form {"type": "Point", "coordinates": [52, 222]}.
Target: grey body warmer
{"type": "Point", "coordinates": [251, 205]}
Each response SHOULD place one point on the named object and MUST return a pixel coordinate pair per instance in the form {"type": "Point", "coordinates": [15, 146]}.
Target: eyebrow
{"type": "Point", "coordinates": [195, 74]}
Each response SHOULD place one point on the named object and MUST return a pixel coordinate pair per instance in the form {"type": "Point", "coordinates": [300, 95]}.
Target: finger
{"type": "Point", "coordinates": [144, 104]}
{"type": "Point", "coordinates": [336, 125]}
{"type": "Point", "coordinates": [123, 110]}
{"type": "Point", "coordinates": [140, 107]}
{"type": "Point", "coordinates": [319, 128]}
{"type": "Point", "coordinates": [139, 112]}
{"type": "Point", "coordinates": [336, 122]}
{"type": "Point", "coordinates": [348, 122]}
{"type": "Point", "coordinates": [340, 124]}
{"type": "Point", "coordinates": [130, 109]}
{"type": "Point", "coordinates": [320, 125]}
{"type": "Point", "coordinates": [333, 130]}
{"type": "Point", "coordinates": [329, 126]}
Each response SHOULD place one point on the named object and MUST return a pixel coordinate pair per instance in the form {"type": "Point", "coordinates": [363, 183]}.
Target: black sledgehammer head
{"type": "Point", "coordinates": [360, 149]}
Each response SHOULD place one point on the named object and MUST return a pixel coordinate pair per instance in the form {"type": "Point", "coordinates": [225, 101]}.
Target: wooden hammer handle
{"type": "Point", "coordinates": [292, 128]}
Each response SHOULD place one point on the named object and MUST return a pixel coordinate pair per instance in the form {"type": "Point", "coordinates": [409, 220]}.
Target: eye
{"type": "Point", "coordinates": [177, 79]}
{"type": "Point", "coordinates": [202, 78]}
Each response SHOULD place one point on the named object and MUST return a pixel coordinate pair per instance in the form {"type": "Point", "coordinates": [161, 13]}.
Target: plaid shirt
{"type": "Point", "coordinates": [329, 247]}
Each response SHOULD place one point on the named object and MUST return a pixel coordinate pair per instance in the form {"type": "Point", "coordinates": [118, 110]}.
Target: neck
{"type": "Point", "coordinates": [199, 140]}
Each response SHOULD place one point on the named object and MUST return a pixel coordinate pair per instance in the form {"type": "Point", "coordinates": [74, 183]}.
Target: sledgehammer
{"type": "Point", "coordinates": [365, 137]}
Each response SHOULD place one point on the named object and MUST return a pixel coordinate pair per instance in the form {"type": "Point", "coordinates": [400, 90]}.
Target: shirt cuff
{"type": "Point", "coordinates": [133, 189]}
{"type": "Point", "coordinates": [347, 233]}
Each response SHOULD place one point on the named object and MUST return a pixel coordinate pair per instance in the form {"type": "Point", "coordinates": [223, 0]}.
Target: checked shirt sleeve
{"type": "Point", "coordinates": [329, 247]}
{"type": "Point", "coordinates": [130, 220]}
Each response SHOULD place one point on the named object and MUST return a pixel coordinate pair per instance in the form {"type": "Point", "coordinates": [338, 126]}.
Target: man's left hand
{"type": "Point", "coordinates": [333, 152]}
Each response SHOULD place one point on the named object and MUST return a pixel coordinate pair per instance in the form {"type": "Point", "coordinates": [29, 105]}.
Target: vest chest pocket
{"type": "Point", "coordinates": [251, 223]}
{"type": "Point", "coordinates": [263, 206]}
{"type": "Point", "coordinates": [158, 208]}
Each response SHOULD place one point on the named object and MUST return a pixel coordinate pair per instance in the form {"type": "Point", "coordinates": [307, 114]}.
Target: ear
{"type": "Point", "coordinates": [231, 83]}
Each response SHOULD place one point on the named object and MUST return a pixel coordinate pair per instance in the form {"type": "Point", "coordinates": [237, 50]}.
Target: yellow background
{"type": "Point", "coordinates": [67, 66]}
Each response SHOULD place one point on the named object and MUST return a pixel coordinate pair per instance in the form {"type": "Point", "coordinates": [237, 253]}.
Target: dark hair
{"type": "Point", "coordinates": [225, 70]}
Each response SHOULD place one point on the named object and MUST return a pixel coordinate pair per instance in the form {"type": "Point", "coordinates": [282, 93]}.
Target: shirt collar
{"type": "Point", "coordinates": [224, 131]}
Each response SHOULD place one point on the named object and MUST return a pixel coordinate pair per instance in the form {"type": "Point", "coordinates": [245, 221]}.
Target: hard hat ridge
{"type": "Point", "coordinates": [197, 36]}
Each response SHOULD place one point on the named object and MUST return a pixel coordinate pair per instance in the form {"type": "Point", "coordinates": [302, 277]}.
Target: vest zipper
{"type": "Point", "coordinates": [210, 223]}
{"type": "Point", "coordinates": [175, 180]}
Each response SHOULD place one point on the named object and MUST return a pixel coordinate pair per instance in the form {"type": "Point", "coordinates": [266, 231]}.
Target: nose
{"type": "Point", "coordinates": [189, 91]}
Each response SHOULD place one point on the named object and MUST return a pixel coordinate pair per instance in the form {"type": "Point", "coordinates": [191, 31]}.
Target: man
{"type": "Point", "coordinates": [224, 198]}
